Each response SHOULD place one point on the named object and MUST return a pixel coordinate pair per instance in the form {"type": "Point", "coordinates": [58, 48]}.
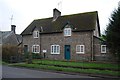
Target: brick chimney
{"type": "Point", "coordinates": [56, 14]}
{"type": "Point", "coordinates": [13, 28]}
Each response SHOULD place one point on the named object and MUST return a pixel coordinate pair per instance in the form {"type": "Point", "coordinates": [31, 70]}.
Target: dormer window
{"type": "Point", "coordinates": [36, 34]}
{"type": "Point", "coordinates": [67, 32]}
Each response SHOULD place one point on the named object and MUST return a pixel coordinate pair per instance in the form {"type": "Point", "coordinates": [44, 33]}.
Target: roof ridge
{"type": "Point", "coordinates": [43, 18]}
{"type": "Point", "coordinates": [67, 15]}
{"type": "Point", "coordinates": [80, 13]}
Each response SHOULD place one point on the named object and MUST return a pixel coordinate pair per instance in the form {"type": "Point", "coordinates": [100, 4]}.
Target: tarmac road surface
{"type": "Point", "coordinates": [13, 72]}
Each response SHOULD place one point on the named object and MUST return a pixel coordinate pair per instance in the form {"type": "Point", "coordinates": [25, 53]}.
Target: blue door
{"type": "Point", "coordinates": [67, 52]}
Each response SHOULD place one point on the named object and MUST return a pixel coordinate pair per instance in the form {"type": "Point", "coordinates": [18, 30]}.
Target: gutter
{"type": "Point", "coordinates": [40, 43]}
{"type": "Point", "coordinates": [92, 54]}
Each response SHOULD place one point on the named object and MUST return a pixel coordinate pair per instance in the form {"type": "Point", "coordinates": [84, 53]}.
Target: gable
{"type": "Point", "coordinates": [80, 22]}
{"type": "Point", "coordinates": [19, 38]}
{"type": "Point", "coordinates": [68, 25]}
{"type": "Point", "coordinates": [97, 30]}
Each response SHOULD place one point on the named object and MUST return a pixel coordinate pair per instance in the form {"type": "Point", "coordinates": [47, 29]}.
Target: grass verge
{"type": "Point", "coordinates": [76, 70]}
{"type": "Point", "coordinates": [88, 65]}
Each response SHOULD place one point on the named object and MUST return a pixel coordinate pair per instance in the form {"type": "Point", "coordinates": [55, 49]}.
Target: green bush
{"type": "Point", "coordinates": [8, 51]}
{"type": "Point", "coordinates": [36, 56]}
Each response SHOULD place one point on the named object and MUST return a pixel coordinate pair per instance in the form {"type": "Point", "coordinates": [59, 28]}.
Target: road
{"type": "Point", "coordinates": [13, 72]}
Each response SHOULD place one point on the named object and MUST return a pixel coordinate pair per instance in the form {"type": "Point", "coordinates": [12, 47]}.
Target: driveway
{"type": "Point", "coordinates": [13, 72]}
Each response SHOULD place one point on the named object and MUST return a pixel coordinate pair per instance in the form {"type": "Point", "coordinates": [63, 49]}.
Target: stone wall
{"type": "Point", "coordinates": [30, 41]}
{"type": "Point", "coordinates": [77, 38]}
{"type": "Point", "coordinates": [98, 56]}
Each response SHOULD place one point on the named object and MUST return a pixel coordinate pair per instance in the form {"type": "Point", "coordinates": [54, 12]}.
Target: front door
{"type": "Point", "coordinates": [67, 52]}
{"type": "Point", "coordinates": [25, 48]}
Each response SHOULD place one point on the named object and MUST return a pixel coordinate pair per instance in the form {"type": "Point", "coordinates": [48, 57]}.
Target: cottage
{"type": "Point", "coordinates": [69, 37]}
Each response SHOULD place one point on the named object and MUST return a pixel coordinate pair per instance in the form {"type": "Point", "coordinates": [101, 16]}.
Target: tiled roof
{"type": "Point", "coordinates": [5, 34]}
{"type": "Point", "coordinates": [19, 38]}
{"type": "Point", "coordinates": [9, 37]}
{"type": "Point", "coordinates": [80, 22]}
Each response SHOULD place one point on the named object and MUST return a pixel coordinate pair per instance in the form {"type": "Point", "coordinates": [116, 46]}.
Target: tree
{"type": "Point", "coordinates": [103, 37]}
{"type": "Point", "coordinates": [113, 33]}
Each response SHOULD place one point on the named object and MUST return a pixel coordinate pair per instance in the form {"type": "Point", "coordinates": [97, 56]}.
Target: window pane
{"type": "Point", "coordinates": [103, 48]}
{"type": "Point", "coordinates": [78, 48]}
{"type": "Point", "coordinates": [37, 34]}
{"type": "Point", "coordinates": [57, 49]}
{"type": "Point", "coordinates": [37, 48]}
{"type": "Point", "coordinates": [65, 32]}
{"type": "Point", "coordinates": [33, 48]}
{"type": "Point", "coordinates": [82, 49]}
{"type": "Point", "coordinates": [68, 31]}
{"type": "Point", "coordinates": [54, 49]}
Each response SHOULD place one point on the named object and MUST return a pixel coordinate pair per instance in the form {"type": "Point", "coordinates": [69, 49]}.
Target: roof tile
{"type": "Point", "coordinates": [81, 21]}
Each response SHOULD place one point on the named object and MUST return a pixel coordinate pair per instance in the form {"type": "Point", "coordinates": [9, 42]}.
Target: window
{"type": "Point", "coordinates": [55, 49]}
{"type": "Point", "coordinates": [80, 49]}
{"type": "Point", "coordinates": [35, 48]}
{"type": "Point", "coordinates": [103, 48]}
{"type": "Point", "coordinates": [36, 34]}
{"type": "Point", "coordinates": [67, 32]}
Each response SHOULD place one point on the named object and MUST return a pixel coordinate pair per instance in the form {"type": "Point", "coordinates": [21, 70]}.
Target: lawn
{"type": "Point", "coordinates": [90, 65]}
{"type": "Point", "coordinates": [77, 67]}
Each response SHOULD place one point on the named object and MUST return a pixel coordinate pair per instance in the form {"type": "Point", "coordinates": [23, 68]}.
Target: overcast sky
{"type": "Point", "coordinates": [25, 11]}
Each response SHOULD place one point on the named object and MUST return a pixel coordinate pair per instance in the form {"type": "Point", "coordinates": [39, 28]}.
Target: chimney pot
{"type": "Point", "coordinates": [13, 28]}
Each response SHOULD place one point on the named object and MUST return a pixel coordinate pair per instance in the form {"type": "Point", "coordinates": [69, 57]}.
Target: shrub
{"type": "Point", "coordinates": [8, 51]}
{"type": "Point", "coordinates": [36, 56]}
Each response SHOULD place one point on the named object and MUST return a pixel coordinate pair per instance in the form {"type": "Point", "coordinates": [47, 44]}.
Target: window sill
{"type": "Point", "coordinates": [80, 52]}
{"type": "Point", "coordinates": [67, 35]}
{"type": "Point", "coordinates": [35, 37]}
{"type": "Point", "coordinates": [55, 53]}
{"type": "Point", "coordinates": [35, 52]}
{"type": "Point", "coordinates": [103, 52]}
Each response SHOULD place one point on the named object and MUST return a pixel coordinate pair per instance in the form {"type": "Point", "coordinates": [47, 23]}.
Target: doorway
{"type": "Point", "coordinates": [67, 52]}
